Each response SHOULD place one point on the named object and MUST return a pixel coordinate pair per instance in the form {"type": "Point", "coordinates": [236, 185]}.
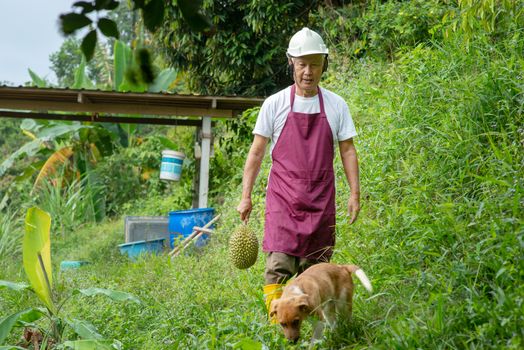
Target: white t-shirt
{"type": "Point", "coordinates": [274, 111]}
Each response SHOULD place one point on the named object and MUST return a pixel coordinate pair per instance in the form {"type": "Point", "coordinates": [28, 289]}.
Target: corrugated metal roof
{"type": "Point", "coordinates": [97, 101]}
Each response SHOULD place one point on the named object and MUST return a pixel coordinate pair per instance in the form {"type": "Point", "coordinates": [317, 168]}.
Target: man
{"type": "Point", "coordinates": [303, 122]}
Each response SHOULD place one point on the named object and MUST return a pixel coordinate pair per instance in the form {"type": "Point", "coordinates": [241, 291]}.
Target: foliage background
{"type": "Point", "coordinates": [435, 89]}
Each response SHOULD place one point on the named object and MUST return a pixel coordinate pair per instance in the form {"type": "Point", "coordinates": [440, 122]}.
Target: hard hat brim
{"type": "Point", "coordinates": [311, 52]}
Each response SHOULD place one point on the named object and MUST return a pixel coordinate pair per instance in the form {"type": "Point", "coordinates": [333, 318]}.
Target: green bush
{"type": "Point", "coordinates": [131, 175]}
{"type": "Point", "coordinates": [380, 28]}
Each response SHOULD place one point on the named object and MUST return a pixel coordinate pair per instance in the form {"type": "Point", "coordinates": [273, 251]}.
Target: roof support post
{"type": "Point", "coordinates": [203, 189]}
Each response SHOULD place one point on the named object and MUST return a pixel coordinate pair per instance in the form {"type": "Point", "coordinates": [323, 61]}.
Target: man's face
{"type": "Point", "coordinates": [308, 71]}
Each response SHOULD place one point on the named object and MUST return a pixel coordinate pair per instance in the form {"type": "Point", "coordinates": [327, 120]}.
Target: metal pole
{"type": "Point", "coordinates": [204, 162]}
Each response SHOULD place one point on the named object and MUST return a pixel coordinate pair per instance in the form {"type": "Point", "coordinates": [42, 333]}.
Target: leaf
{"type": "Point", "coordinates": [52, 163]}
{"type": "Point", "coordinates": [113, 294]}
{"type": "Point", "coordinates": [30, 170]}
{"type": "Point", "coordinates": [153, 14]}
{"type": "Point", "coordinates": [84, 329]}
{"type": "Point", "coordinates": [106, 4]}
{"type": "Point", "coordinates": [86, 6]}
{"type": "Point", "coordinates": [89, 344]}
{"type": "Point", "coordinates": [7, 323]}
{"type": "Point", "coordinates": [248, 344]}
{"type": "Point", "coordinates": [138, 4]}
{"type": "Point", "coordinates": [36, 79]}
{"type": "Point", "coordinates": [82, 81]}
{"type": "Point", "coordinates": [143, 59]}
{"type": "Point", "coordinates": [167, 143]}
{"type": "Point", "coordinates": [29, 148]}
{"type": "Point", "coordinates": [79, 75]}
{"type": "Point", "coordinates": [88, 44]}
{"type": "Point", "coordinates": [14, 286]}
{"type": "Point", "coordinates": [71, 22]}
{"type": "Point", "coordinates": [190, 11]}
{"type": "Point", "coordinates": [37, 254]}
{"type": "Point", "coordinates": [132, 82]}
{"type": "Point", "coordinates": [108, 27]}
{"type": "Point", "coordinates": [54, 131]}
{"type": "Point", "coordinates": [164, 79]}
{"type": "Point", "coordinates": [122, 59]}
{"type": "Point", "coordinates": [29, 125]}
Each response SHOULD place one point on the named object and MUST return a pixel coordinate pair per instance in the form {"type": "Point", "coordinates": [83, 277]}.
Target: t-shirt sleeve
{"type": "Point", "coordinates": [346, 128]}
{"type": "Point", "coordinates": [264, 124]}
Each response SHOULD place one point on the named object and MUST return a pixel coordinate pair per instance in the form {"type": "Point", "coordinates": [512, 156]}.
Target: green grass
{"type": "Point", "coordinates": [441, 232]}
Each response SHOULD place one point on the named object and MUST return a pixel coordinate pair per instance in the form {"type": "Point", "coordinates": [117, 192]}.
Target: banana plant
{"type": "Point", "coordinates": [128, 76]}
{"type": "Point", "coordinates": [42, 134]}
{"type": "Point", "coordinates": [37, 266]}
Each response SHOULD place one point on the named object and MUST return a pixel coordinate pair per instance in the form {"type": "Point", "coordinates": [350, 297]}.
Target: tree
{"type": "Point", "coordinates": [68, 58]}
{"type": "Point", "coordinates": [226, 46]}
{"type": "Point", "coordinates": [244, 55]}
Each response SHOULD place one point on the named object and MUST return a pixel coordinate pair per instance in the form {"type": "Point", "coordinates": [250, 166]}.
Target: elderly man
{"type": "Point", "coordinates": [303, 123]}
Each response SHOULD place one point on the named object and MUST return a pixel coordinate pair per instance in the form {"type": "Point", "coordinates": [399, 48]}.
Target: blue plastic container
{"type": "Point", "coordinates": [181, 224]}
{"type": "Point", "coordinates": [135, 249]}
{"type": "Point", "coordinates": [72, 264]}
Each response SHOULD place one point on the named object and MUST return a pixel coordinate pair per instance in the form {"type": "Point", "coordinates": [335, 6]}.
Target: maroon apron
{"type": "Point", "coordinates": [300, 201]}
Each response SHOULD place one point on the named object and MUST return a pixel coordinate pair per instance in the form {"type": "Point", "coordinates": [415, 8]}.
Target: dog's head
{"type": "Point", "coordinates": [290, 312]}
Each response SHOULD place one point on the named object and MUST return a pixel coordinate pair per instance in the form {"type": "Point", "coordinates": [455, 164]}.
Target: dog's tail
{"type": "Point", "coordinates": [361, 275]}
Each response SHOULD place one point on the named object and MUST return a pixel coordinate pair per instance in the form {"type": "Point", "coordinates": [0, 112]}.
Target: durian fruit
{"type": "Point", "coordinates": [243, 247]}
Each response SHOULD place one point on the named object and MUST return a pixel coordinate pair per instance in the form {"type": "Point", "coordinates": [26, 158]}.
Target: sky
{"type": "Point", "coordinates": [28, 35]}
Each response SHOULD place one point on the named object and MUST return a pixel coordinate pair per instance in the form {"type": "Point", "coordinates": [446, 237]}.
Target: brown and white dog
{"type": "Point", "coordinates": [324, 290]}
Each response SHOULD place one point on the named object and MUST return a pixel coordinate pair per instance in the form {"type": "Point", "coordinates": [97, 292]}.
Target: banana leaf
{"type": "Point", "coordinates": [7, 323]}
{"type": "Point", "coordinates": [14, 286]}
{"type": "Point", "coordinates": [163, 81]}
{"type": "Point", "coordinates": [37, 255]}
{"type": "Point", "coordinates": [84, 329]}
{"type": "Point", "coordinates": [38, 81]}
{"type": "Point", "coordinates": [122, 61]}
{"type": "Point", "coordinates": [43, 134]}
{"type": "Point", "coordinates": [82, 81]}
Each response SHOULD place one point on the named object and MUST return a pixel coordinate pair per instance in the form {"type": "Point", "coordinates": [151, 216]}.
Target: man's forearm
{"type": "Point", "coordinates": [352, 175]}
{"type": "Point", "coordinates": [349, 158]}
{"type": "Point", "coordinates": [251, 171]}
{"type": "Point", "coordinates": [252, 167]}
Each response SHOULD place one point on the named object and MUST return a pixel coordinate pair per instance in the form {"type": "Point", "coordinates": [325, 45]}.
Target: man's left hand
{"type": "Point", "coordinates": [353, 208]}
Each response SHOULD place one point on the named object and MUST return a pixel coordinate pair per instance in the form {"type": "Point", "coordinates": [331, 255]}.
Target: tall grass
{"type": "Point", "coordinates": [442, 172]}
{"type": "Point", "coordinates": [70, 204]}
{"type": "Point", "coordinates": [10, 235]}
{"type": "Point", "coordinates": [441, 232]}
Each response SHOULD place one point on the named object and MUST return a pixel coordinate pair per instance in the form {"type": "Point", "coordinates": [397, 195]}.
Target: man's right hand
{"type": "Point", "coordinates": [244, 208]}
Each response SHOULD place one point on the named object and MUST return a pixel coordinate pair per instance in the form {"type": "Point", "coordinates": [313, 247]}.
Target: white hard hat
{"type": "Point", "coordinates": [306, 42]}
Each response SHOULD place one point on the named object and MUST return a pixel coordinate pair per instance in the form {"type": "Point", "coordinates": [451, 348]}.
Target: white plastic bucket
{"type": "Point", "coordinates": [171, 167]}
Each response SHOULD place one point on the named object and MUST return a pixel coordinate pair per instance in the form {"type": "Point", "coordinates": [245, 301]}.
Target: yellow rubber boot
{"type": "Point", "coordinates": [272, 292]}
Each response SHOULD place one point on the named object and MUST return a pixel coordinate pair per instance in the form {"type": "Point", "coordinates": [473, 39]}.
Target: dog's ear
{"type": "Point", "coordinates": [303, 303]}
{"type": "Point", "coordinates": [273, 309]}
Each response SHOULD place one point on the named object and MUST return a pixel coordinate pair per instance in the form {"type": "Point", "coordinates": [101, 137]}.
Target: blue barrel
{"type": "Point", "coordinates": [181, 223]}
